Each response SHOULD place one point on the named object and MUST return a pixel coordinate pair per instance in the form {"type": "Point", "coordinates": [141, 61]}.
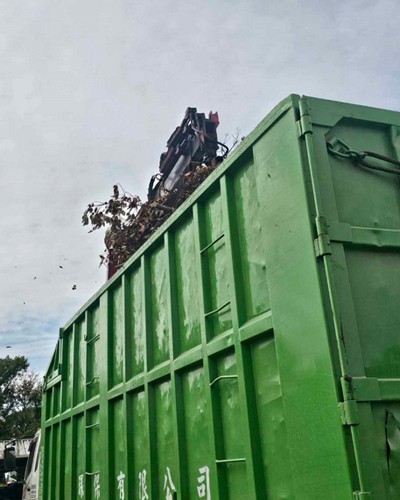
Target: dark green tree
{"type": "Point", "coordinates": [20, 398]}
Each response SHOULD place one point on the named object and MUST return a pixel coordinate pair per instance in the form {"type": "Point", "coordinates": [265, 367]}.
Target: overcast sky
{"type": "Point", "coordinates": [91, 90]}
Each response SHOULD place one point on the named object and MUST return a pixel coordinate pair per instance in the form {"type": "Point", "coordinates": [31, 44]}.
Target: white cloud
{"type": "Point", "coordinates": [90, 92]}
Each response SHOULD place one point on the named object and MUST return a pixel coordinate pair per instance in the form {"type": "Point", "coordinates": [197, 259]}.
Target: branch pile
{"type": "Point", "coordinates": [130, 223]}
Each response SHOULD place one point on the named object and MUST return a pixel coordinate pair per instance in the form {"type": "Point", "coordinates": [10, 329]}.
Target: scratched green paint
{"type": "Point", "coordinates": [165, 445]}
{"type": "Point", "coordinates": [359, 192]}
{"type": "Point", "coordinates": [47, 461]}
{"type": "Point", "coordinates": [388, 445]}
{"type": "Point", "coordinates": [118, 452]}
{"type": "Point", "coordinates": [252, 238]}
{"type": "Point", "coordinates": [232, 439]}
{"type": "Point", "coordinates": [374, 279]}
{"type": "Point", "coordinates": [69, 368]}
{"type": "Point", "coordinates": [215, 263]}
{"type": "Point", "coordinates": [67, 459]}
{"type": "Point", "coordinates": [55, 477]}
{"type": "Point", "coordinates": [136, 316]}
{"type": "Point", "coordinates": [95, 455]}
{"type": "Point", "coordinates": [93, 353]}
{"type": "Point", "coordinates": [159, 323]}
{"type": "Point", "coordinates": [47, 405]}
{"type": "Point", "coordinates": [244, 401]}
{"type": "Point", "coordinates": [80, 382]}
{"type": "Point", "coordinates": [117, 336]}
{"type": "Point", "coordinates": [56, 401]}
{"type": "Point", "coordinates": [187, 287]}
{"type": "Point", "coordinates": [138, 441]}
{"type": "Point", "coordinates": [78, 459]}
{"type": "Point", "coordinates": [269, 408]}
{"type": "Point", "coordinates": [196, 430]}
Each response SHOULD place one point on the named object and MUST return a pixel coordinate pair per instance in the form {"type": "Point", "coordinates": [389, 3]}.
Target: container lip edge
{"type": "Point", "coordinates": [349, 110]}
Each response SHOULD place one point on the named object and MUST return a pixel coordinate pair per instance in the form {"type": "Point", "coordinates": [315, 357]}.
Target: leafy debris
{"type": "Point", "coordinates": [130, 222]}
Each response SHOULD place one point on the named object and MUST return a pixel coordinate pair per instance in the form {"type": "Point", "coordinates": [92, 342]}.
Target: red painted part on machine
{"type": "Point", "coordinates": [214, 117]}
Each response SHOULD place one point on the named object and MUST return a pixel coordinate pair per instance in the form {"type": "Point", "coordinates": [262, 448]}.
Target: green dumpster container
{"type": "Point", "coordinates": [251, 348]}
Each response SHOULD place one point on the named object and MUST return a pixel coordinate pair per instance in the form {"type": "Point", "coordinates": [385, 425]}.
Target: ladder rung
{"type": "Point", "coordinates": [93, 426]}
{"type": "Point", "coordinates": [212, 243]}
{"type": "Point", "coordinates": [92, 340]}
{"type": "Point", "coordinates": [230, 460]}
{"type": "Point", "coordinates": [93, 380]}
{"type": "Point", "coordinates": [215, 311]}
{"type": "Point", "coordinates": [222, 377]}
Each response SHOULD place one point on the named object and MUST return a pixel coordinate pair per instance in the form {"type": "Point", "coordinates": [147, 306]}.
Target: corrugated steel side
{"type": "Point", "coordinates": [209, 365]}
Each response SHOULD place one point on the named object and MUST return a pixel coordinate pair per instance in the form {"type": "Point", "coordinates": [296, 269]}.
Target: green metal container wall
{"type": "Point", "coordinates": [250, 349]}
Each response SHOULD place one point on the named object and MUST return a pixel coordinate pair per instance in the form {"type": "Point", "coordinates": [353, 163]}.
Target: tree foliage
{"type": "Point", "coordinates": [20, 398]}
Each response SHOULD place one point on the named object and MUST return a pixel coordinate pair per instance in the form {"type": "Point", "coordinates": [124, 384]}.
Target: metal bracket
{"type": "Point", "coordinates": [212, 243]}
{"type": "Point", "coordinates": [348, 412]}
{"type": "Point", "coordinates": [304, 125]}
{"type": "Point", "coordinates": [217, 310]}
{"type": "Point", "coordinates": [370, 388]}
{"type": "Point", "coordinates": [360, 495]}
{"type": "Point", "coordinates": [347, 387]}
{"type": "Point", "coordinates": [322, 243]}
